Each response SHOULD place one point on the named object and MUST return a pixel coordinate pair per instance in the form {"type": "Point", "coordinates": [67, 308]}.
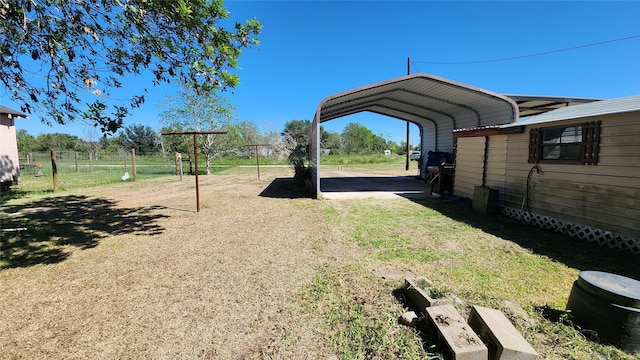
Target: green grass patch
{"type": "Point", "coordinates": [480, 259]}
{"type": "Point", "coordinates": [406, 254]}
{"type": "Point", "coordinates": [359, 159]}
{"type": "Point", "coordinates": [360, 324]}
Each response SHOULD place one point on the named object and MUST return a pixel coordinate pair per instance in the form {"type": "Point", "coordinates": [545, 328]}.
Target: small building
{"type": "Point", "coordinates": [9, 161]}
{"type": "Point", "coordinates": [574, 170]}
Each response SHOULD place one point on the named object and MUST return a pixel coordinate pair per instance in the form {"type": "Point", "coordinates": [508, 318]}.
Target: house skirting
{"type": "Point", "coordinates": [602, 237]}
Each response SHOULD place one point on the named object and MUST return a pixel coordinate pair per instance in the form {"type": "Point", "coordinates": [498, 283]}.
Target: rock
{"type": "Point", "coordinates": [409, 318]}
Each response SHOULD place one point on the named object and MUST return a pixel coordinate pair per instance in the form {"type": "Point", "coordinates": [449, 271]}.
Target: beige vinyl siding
{"type": "Point", "coordinates": [496, 163]}
{"type": "Point", "coordinates": [605, 196]}
{"type": "Point", "coordinates": [469, 163]}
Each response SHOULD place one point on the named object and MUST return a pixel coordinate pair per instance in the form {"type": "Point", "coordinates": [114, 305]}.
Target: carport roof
{"type": "Point", "coordinates": [423, 97]}
{"type": "Point", "coordinates": [530, 105]}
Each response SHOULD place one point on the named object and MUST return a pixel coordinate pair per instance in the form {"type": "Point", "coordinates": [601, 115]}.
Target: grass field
{"type": "Point", "coordinates": [109, 169]}
{"type": "Point", "coordinates": [130, 270]}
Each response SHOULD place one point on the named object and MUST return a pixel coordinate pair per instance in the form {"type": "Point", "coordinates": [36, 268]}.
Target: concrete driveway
{"type": "Point", "coordinates": [336, 184]}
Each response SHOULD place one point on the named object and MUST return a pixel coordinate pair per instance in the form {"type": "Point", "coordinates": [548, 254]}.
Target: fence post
{"type": "Point", "coordinates": [179, 164]}
{"type": "Point", "coordinates": [133, 163]}
{"type": "Point", "coordinates": [77, 161]}
{"type": "Point", "coordinates": [54, 170]}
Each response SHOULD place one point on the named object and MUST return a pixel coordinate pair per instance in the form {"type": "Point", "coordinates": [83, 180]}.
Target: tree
{"type": "Point", "coordinates": [298, 130]}
{"type": "Point", "coordinates": [249, 132]}
{"type": "Point", "coordinates": [81, 51]}
{"type": "Point", "coordinates": [334, 142]}
{"type": "Point", "coordinates": [240, 134]}
{"type": "Point", "coordinates": [358, 138]}
{"type": "Point", "coordinates": [26, 142]}
{"type": "Point", "coordinates": [175, 144]}
{"type": "Point", "coordinates": [109, 145]}
{"type": "Point", "coordinates": [141, 138]}
{"type": "Point", "coordinates": [194, 110]}
{"type": "Point", "coordinates": [56, 141]}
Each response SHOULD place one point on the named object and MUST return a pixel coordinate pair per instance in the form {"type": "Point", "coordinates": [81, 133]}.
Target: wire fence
{"type": "Point", "coordinates": [77, 169]}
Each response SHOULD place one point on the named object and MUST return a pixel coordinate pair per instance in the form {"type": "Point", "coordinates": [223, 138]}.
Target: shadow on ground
{"type": "Point", "coordinates": [573, 252]}
{"type": "Point", "coordinates": [285, 188]}
{"type": "Point", "coordinates": [42, 231]}
{"type": "Point", "coordinates": [392, 184]}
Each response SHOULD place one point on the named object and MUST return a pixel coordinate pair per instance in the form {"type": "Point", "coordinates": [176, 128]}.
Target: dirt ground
{"type": "Point", "coordinates": [142, 275]}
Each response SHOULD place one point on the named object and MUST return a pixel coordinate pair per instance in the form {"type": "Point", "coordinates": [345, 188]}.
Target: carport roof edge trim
{"type": "Point", "coordinates": [438, 84]}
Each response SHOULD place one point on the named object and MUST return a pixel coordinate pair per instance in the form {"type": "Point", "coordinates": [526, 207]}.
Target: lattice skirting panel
{"type": "Point", "coordinates": [602, 237]}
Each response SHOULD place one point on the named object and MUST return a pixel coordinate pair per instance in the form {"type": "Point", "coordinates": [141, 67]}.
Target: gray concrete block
{"type": "Point", "coordinates": [502, 338]}
{"type": "Point", "coordinates": [456, 334]}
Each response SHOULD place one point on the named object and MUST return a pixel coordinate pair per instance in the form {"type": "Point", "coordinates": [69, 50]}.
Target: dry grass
{"type": "Point", "coordinates": [215, 284]}
{"type": "Point", "coordinates": [132, 271]}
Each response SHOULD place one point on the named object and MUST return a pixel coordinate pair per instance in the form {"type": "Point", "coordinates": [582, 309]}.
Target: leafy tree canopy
{"type": "Point", "coordinates": [193, 110]}
{"type": "Point", "coordinates": [298, 130]}
{"type": "Point", "coordinates": [26, 142]}
{"type": "Point", "coordinates": [57, 141]}
{"type": "Point", "coordinates": [141, 138]}
{"type": "Point", "coordinates": [65, 58]}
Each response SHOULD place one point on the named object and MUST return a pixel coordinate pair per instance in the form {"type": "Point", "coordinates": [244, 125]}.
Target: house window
{"type": "Point", "coordinates": [576, 143]}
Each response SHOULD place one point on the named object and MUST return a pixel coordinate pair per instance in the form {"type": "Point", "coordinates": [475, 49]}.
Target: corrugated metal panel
{"type": "Point", "coordinates": [430, 102]}
{"type": "Point", "coordinates": [604, 107]}
{"type": "Point", "coordinates": [424, 96]}
{"type": "Point", "coordinates": [530, 105]}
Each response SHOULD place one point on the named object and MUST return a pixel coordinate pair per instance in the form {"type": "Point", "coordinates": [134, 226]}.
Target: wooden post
{"type": "Point", "coordinates": [179, 159]}
{"type": "Point", "coordinates": [77, 165]}
{"type": "Point", "coordinates": [133, 164]}
{"type": "Point", "coordinates": [54, 170]}
{"type": "Point", "coordinates": [90, 161]}
{"type": "Point", "coordinates": [177, 156]}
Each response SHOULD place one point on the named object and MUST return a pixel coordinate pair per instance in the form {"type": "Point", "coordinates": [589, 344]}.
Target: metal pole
{"type": "Point", "coordinates": [195, 154]}
{"type": "Point", "coordinates": [258, 161]}
{"type": "Point", "coordinates": [408, 147]}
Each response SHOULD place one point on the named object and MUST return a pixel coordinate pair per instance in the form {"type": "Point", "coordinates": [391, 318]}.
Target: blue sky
{"type": "Point", "coordinates": [310, 50]}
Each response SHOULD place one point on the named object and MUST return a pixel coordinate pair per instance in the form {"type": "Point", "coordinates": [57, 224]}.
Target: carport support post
{"type": "Point", "coordinates": [406, 167]}
{"type": "Point", "coordinates": [408, 149]}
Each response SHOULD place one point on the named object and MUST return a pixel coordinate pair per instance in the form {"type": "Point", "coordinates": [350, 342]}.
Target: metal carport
{"type": "Point", "coordinates": [436, 105]}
